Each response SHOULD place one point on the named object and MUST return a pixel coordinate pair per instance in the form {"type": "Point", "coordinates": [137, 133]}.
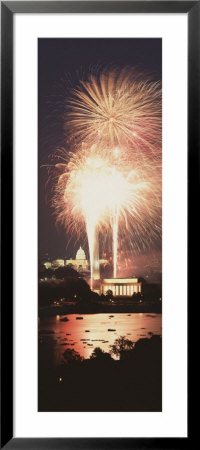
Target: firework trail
{"type": "Point", "coordinates": [102, 193]}
{"type": "Point", "coordinates": [120, 110]}
{"type": "Point", "coordinates": [110, 183]}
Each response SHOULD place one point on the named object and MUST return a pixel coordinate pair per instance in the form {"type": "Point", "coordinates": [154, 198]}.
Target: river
{"type": "Point", "coordinates": [84, 332]}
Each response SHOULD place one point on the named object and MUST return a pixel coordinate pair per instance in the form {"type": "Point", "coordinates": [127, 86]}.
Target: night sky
{"type": "Point", "coordinates": [61, 63]}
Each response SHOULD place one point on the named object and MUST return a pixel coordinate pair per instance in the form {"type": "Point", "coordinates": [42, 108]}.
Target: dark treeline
{"type": "Point", "coordinates": [133, 382]}
{"type": "Point", "coordinates": [68, 284]}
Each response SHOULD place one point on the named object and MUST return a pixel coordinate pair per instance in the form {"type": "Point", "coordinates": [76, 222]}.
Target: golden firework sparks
{"type": "Point", "coordinates": [101, 192]}
{"type": "Point", "coordinates": [110, 184]}
{"type": "Point", "coordinates": [118, 107]}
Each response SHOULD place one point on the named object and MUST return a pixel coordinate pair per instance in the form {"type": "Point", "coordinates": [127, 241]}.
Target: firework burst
{"type": "Point", "coordinates": [118, 107]}
{"type": "Point", "coordinates": [109, 184]}
{"type": "Point", "coordinates": [100, 192]}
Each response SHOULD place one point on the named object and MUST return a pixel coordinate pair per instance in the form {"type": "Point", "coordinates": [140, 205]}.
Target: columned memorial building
{"type": "Point", "coordinates": [121, 287]}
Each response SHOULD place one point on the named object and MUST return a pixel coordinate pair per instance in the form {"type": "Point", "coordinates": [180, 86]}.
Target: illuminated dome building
{"type": "Point", "coordinates": [80, 263]}
{"type": "Point", "coordinates": [80, 255]}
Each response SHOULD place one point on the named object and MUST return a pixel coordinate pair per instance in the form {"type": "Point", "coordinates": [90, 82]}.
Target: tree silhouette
{"type": "Point", "coordinates": [100, 355]}
{"type": "Point", "coordinates": [70, 356]}
{"type": "Point", "coordinates": [122, 347]}
{"type": "Point", "coordinates": [109, 294]}
{"type": "Point", "coordinates": [66, 272]}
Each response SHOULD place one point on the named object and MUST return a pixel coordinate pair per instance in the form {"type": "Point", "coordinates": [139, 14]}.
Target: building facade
{"type": "Point", "coordinates": [80, 263]}
{"type": "Point", "coordinates": [121, 287]}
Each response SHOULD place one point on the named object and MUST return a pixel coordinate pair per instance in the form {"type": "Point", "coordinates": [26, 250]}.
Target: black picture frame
{"type": "Point", "coordinates": [8, 9]}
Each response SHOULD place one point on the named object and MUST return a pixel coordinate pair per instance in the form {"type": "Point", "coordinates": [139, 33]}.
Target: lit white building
{"type": "Point", "coordinates": [48, 264]}
{"type": "Point", "coordinates": [80, 263]}
{"type": "Point", "coordinates": [121, 287]}
{"type": "Point", "coordinates": [57, 263]}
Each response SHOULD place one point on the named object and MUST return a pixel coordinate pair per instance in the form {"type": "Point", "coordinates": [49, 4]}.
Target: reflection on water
{"type": "Point", "coordinates": [84, 332]}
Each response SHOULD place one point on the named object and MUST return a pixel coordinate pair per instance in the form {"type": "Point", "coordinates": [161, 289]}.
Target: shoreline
{"type": "Point", "coordinates": [145, 307]}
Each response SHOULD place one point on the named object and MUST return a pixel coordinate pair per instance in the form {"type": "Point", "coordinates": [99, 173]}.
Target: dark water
{"type": "Point", "coordinates": [85, 332]}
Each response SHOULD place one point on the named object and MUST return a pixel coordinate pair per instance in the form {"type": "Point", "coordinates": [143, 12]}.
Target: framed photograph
{"type": "Point", "coordinates": [99, 137]}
